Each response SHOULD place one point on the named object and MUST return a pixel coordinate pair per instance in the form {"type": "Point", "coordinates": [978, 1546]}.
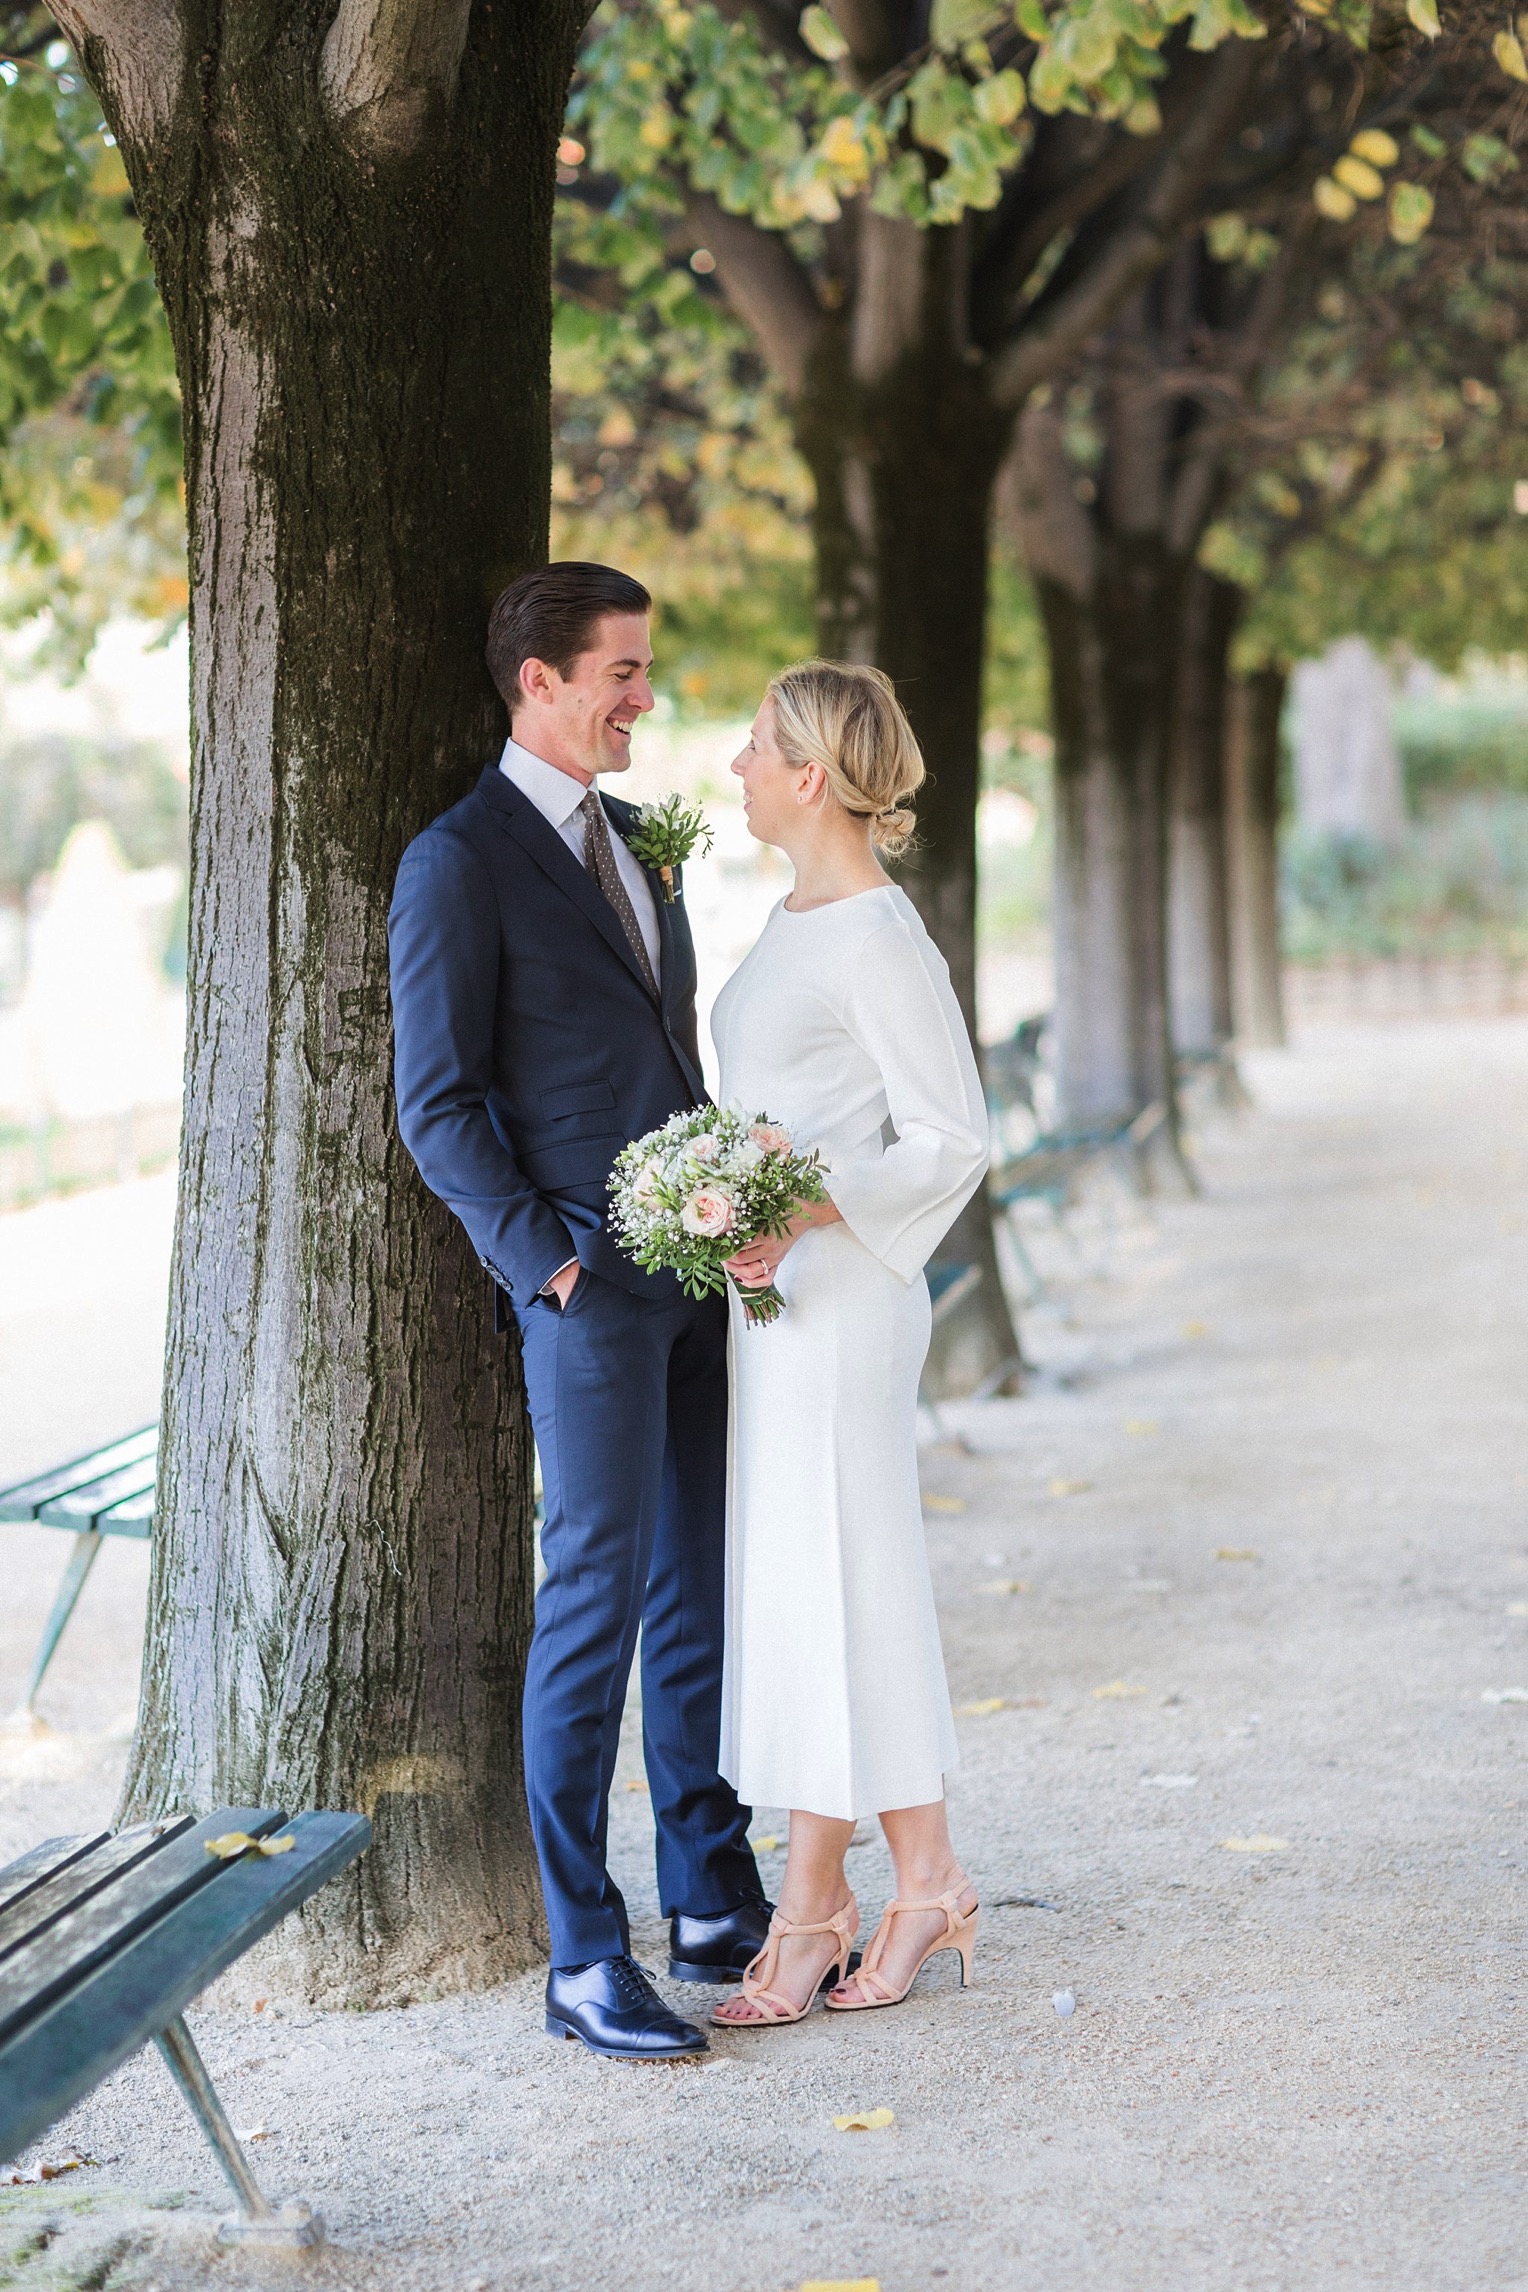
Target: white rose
{"type": "Point", "coordinates": [709, 1212]}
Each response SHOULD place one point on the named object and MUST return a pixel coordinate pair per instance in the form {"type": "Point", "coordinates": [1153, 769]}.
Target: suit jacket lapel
{"type": "Point", "coordinates": [536, 835]}
{"type": "Point", "coordinates": [668, 912]}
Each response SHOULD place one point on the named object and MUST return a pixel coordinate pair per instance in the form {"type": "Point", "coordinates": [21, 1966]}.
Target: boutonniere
{"type": "Point", "coordinates": [665, 835]}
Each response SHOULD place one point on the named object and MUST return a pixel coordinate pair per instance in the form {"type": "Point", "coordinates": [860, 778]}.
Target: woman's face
{"type": "Point", "coordinates": [772, 788]}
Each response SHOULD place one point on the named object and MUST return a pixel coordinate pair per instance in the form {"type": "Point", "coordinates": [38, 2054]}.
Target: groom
{"type": "Point", "coordinates": [544, 1015]}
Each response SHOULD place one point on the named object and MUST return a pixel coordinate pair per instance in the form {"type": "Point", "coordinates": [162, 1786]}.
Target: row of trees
{"type": "Point", "coordinates": [1167, 287]}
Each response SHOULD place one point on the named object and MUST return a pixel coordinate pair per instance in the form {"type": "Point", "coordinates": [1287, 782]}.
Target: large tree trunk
{"type": "Point", "coordinates": [1254, 711]}
{"type": "Point", "coordinates": [905, 449]}
{"type": "Point", "coordinates": [357, 276]}
{"type": "Point", "coordinates": [1109, 597]}
{"type": "Point", "coordinates": [1199, 949]}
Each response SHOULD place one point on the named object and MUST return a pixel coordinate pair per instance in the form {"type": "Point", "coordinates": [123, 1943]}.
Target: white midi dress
{"type": "Point", "coordinates": [842, 1024]}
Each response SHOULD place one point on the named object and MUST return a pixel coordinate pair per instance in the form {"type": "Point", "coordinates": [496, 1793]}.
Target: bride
{"type": "Point", "coordinates": [842, 1024]}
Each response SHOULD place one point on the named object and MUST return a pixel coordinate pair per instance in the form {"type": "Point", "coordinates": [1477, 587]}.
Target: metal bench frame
{"type": "Point", "coordinates": [105, 1941]}
{"type": "Point", "coordinates": [109, 1492]}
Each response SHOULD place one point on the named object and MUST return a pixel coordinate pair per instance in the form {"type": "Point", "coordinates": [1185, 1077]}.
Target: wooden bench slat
{"type": "Point", "coordinates": [82, 1878]}
{"type": "Point", "coordinates": [22, 1501]}
{"type": "Point", "coordinates": [64, 1951]}
{"type": "Point", "coordinates": [54, 2061]}
{"type": "Point", "coordinates": [30, 1870]}
{"type": "Point", "coordinates": [81, 1507]}
{"type": "Point", "coordinates": [132, 1516]}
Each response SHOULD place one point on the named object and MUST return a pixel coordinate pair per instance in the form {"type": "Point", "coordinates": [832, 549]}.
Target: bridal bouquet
{"type": "Point", "coordinates": [688, 1196]}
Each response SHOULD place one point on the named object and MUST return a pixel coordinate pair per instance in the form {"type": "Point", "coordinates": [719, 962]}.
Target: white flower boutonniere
{"type": "Point", "coordinates": [665, 835]}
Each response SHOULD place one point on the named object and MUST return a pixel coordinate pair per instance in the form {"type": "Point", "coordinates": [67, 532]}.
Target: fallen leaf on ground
{"type": "Point", "coordinates": [944, 1504]}
{"type": "Point", "coordinates": [636, 1783]}
{"type": "Point", "coordinates": [765, 1845]}
{"type": "Point", "coordinates": [1236, 1552]}
{"type": "Point", "coordinates": [47, 2169]}
{"type": "Point", "coordinates": [1517, 1607]}
{"type": "Point", "coordinates": [865, 2121]}
{"type": "Point", "coordinates": [254, 2133]}
{"type": "Point", "coordinates": [842, 2284]}
{"type": "Point", "coordinates": [982, 1710]}
{"type": "Point", "coordinates": [1196, 1329]}
{"type": "Point", "coordinates": [1171, 1782]}
{"type": "Point", "coordinates": [1065, 2003]}
{"type": "Point", "coordinates": [1142, 1426]}
{"type": "Point", "coordinates": [1505, 1695]}
{"type": "Point", "coordinates": [1022, 1902]}
{"type": "Point", "coordinates": [1007, 1584]}
{"type": "Point", "coordinates": [1068, 1487]}
{"type": "Point", "coordinates": [1258, 1843]}
{"type": "Point", "coordinates": [1116, 1691]}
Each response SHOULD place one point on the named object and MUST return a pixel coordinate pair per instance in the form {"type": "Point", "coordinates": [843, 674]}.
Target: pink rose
{"type": "Point", "coordinates": [771, 1137]}
{"type": "Point", "coordinates": [709, 1212]}
{"type": "Point", "coordinates": [703, 1148]}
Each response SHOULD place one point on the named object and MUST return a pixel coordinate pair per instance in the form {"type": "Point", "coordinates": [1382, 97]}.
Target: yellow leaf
{"type": "Point", "coordinates": [1236, 1552]}
{"type": "Point", "coordinates": [843, 2284]}
{"type": "Point", "coordinates": [1006, 1584]}
{"type": "Point", "coordinates": [982, 1710]}
{"type": "Point", "coordinates": [1258, 1843]}
{"type": "Point", "coordinates": [842, 147]}
{"type": "Point", "coordinates": [1144, 117]}
{"type": "Point", "coordinates": [1195, 1329]}
{"type": "Point", "coordinates": [1142, 1427]}
{"type": "Point", "coordinates": [1332, 201]}
{"type": "Point", "coordinates": [282, 1845]}
{"type": "Point", "coordinates": [230, 1845]}
{"type": "Point", "coordinates": [1373, 144]}
{"type": "Point", "coordinates": [635, 1783]}
{"type": "Point", "coordinates": [1068, 1487]}
{"type": "Point", "coordinates": [1424, 14]}
{"type": "Point", "coordinates": [657, 128]}
{"type": "Point", "coordinates": [944, 1504]}
{"type": "Point", "coordinates": [865, 2121]}
{"type": "Point", "coordinates": [1357, 176]}
{"type": "Point", "coordinates": [999, 100]}
{"type": "Point", "coordinates": [1507, 48]}
{"type": "Point", "coordinates": [1116, 1691]}
{"type": "Point", "coordinates": [765, 1845]}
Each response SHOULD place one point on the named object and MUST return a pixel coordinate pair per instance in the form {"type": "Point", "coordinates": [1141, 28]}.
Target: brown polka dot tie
{"type": "Point", "coordinates": [600, 861]}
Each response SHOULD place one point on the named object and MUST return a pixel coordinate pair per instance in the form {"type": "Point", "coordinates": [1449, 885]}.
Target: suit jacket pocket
{"type": "Point", "coordinates": [595, 1097]}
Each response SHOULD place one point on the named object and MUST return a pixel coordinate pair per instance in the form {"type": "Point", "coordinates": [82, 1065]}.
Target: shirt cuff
{"type": "Point", "coordinates": [546, 1289]}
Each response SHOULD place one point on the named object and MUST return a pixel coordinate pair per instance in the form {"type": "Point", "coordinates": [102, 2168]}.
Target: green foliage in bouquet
{"type": "Point", "coordinates": [688, 1196]}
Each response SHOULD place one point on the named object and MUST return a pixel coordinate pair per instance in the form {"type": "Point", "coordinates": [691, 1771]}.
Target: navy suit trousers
{"type": "Point", "coordinates": [628, 1399]}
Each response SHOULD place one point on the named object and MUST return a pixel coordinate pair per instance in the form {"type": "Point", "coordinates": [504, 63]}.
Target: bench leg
{"type": "Point", "coordinates": [82, 1559]}
{"type": "Point", "coordinates": [257, 2221]}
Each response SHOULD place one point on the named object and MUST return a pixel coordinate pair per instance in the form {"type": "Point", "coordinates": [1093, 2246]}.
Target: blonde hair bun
{"type": "Point", "coordinates": [848, 719]}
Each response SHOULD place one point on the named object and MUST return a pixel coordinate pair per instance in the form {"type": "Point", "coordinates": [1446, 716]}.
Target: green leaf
{"type": "Point", "coordinates": [1424, 15]}
{"type": "Point", "coordinates": [822, 35]}
{"type": "Point", "coordinates": [952, 21]}
{"type": "Point", "coordinates": [1030, 17]}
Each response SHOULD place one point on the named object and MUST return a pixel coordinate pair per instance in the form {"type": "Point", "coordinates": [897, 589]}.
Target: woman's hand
{"type": "Point", "coordinates": [755, 1265]}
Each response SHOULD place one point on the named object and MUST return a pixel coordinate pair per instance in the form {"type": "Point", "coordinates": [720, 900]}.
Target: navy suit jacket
{"type": "Point", "coordinates": [528, 1049]}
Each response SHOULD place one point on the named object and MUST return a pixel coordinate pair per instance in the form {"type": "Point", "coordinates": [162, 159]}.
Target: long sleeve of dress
{"type": "Point", "coordinates": [901, 1010]}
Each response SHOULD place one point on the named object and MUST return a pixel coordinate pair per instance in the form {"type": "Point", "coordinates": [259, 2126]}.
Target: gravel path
{"type": "Point", "coordinates": [1252, 1567]}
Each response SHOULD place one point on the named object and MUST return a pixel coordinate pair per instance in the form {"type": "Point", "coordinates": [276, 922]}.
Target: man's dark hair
{"type": "Point", "coordinates": [551, 615]}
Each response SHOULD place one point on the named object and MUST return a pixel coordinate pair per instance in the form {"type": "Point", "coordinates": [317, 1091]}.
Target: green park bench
{"type": "Point", "coordinates": [110, 1492]}
{"type": "Point", "coordinates": [105, 1941]}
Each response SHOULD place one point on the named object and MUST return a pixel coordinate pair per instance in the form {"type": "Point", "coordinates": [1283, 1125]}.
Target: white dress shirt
{"type": "Point", "coordinates": [557, 796]}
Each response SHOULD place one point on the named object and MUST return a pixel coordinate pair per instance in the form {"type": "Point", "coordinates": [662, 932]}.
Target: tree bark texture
{"type": "Point", "coordinates": [1199, 949]}
{"type": "Point", "coordinates": [1254, 713]}
{"type": "Point", "coordinates": [904, 447]}
{"type": "Point", "coordinates": [358, 289]}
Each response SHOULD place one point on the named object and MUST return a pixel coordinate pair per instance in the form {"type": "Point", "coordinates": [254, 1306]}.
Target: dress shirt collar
{"type": "Point", "coordinates": [556, 795]}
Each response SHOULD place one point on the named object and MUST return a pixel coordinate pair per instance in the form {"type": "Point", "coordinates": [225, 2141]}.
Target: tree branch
{"type": "Point", "coordinates": [765, 285]}
{"type": "Point", "coordinates": [1140, 247]}
{"type": "Point", "coordinates": [387, 65]}
{"type": "Point", "coordinates": [135, 54]}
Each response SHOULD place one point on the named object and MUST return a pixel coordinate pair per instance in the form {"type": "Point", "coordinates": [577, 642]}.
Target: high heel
{"type": "Point", "coordinates": [959, 1934]}
{"type": "Point", "coordinates": [775, 2010]}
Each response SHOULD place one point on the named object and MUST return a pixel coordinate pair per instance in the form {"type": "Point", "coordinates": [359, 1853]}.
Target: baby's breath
{"type": "Point", "coordinates": [692, 1193]}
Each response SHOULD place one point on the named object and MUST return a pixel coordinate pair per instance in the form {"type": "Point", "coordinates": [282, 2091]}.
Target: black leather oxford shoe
{"type": "Point", "coordinates": [614, 2009]}
{"type": "Point", "coordinates": [722, 1947]}
{"type": "Point", "coordinates": [717, 1948]}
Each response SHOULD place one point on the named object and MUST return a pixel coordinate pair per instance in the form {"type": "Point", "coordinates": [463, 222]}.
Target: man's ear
{"type": "Point", "coordinates": [538, 681]}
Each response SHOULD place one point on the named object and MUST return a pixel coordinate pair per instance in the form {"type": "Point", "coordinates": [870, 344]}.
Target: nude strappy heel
{"type": "Point", "coordinates": [959, 1934]}
{"type": "Point", "coordinates": [776, 2010]}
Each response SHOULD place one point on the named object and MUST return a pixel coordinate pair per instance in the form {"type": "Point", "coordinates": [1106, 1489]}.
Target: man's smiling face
{"type": "Point", "coordinates": [582, 722]}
